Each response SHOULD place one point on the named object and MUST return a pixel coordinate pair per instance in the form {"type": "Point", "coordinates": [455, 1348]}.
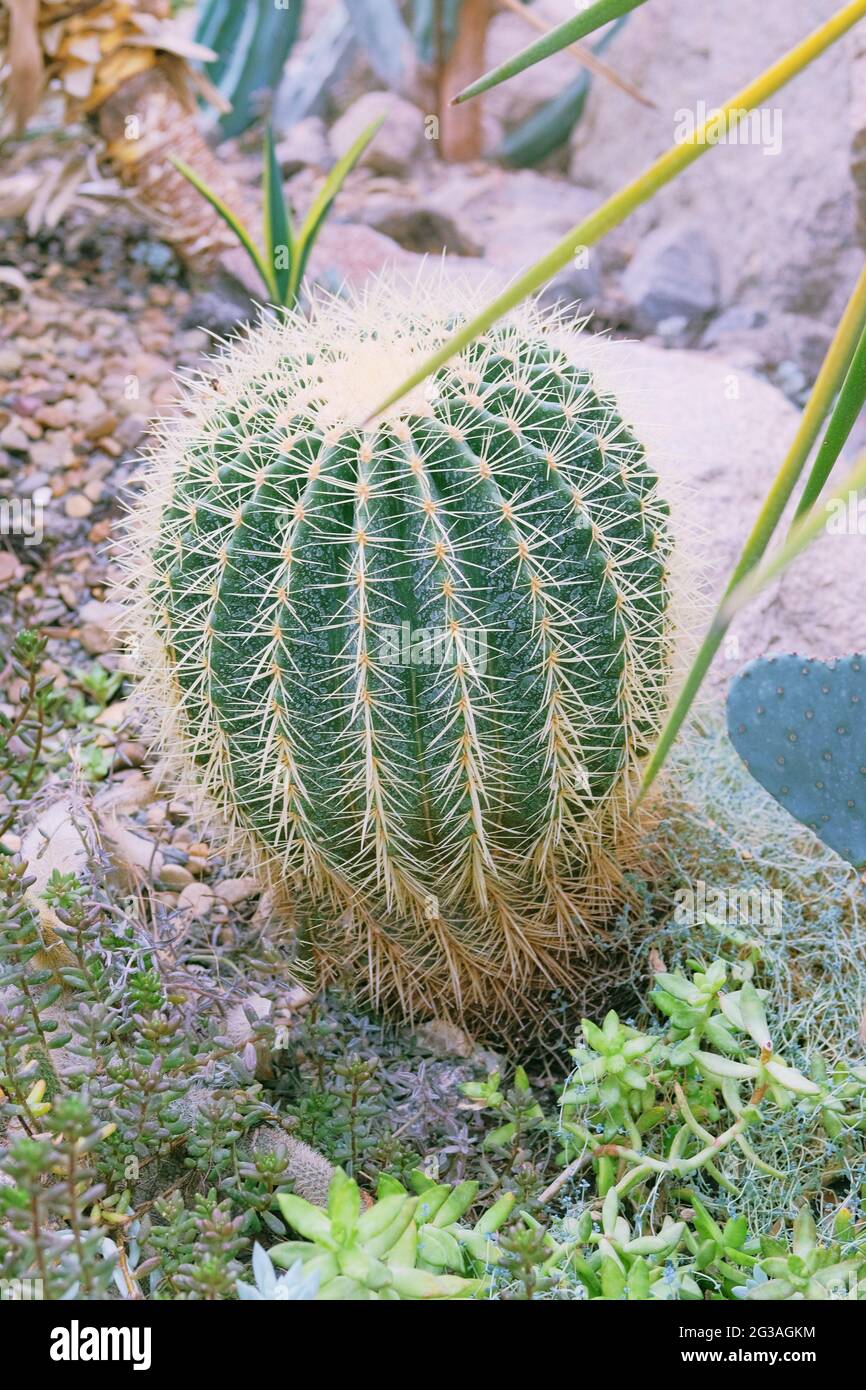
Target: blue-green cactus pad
{"type": "Point", "coordinates": [800, 727]}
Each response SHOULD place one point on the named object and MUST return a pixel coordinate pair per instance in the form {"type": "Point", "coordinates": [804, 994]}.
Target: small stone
{"type": "Point", "coordinates": [130, 431]}
{"type": "Point", "coordinates": [77, 506]}
{"type": "Point", "coordinates": [10, 567]}
{"type": "Point", "coordinates": [12, 436]}
{"type": "Point", "coordinates": [236, 890]}
{"type": "Point", "coordinates": [97, 626]}
{"type": "Point", "coordinates": [175, 876]}
{"type": "Point", "coordinates": [102, 425]}
{"type": "Point", "coordinates": [129, 753]}
{"type": "Point", "coordinates": [10, 361]}
{"type": "Point", "coordinates": [673, 273]}
{"type": "Point", "coordinates": [196, 901]}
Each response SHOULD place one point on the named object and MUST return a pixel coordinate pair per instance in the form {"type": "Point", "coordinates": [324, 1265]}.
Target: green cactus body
{"type": "Point", "coordinates": [414, 665]}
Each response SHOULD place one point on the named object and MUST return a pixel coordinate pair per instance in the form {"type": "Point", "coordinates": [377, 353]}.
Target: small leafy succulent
{"type": "Point", "coordinates": [379, 1252]}
{"type": "Point", "coordinates": [294, 1285]}
{"type": "Point", "coordinates": [807, 1271]}
{"type": "Point", "coordinates": [282, 261]}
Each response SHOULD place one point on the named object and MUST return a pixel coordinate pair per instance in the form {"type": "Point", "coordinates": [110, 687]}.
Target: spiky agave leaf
{"type": "Point", "coordinates": [413, 665]}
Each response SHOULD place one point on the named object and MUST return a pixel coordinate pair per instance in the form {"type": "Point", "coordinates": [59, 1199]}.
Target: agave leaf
{"type": "Point", "coordinates": [839, 427]}
{"type": "Point", "coordinates": [830, 378]}
{"type": "Point", "coordinates": [383, 36]}
{"type": "Point", "coordinates": [616, 209]}
{"type": "Point", "coordinates": [590, 19]}
{"type": "Point", "coordinates": [324, 198]}
{"type": "Point", "coordinates": [232, 221]}
{"type": "Point", "coordinates": [278, 233]}
{"type": "Point", "coordinates": [800, 537]}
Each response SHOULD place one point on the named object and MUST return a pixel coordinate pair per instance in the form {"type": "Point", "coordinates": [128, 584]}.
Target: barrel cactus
{"type": "Point", "coordinates": [413, 664]}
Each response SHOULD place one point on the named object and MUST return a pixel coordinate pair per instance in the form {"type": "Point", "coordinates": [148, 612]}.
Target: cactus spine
{"type": "Point", "coordinates": [412, 665]}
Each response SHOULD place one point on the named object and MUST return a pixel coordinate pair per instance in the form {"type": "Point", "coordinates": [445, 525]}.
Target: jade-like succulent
{"type": "Point", "coordinates": [401, 1247]}
{"type": "Point", "coordinates": [414, 661]}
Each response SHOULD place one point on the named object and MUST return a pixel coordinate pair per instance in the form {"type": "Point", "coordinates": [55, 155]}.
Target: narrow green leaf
{"type": "Point", "coordinates": [840, 425]}
{"type": "Point", "coordinates": [623, 203]}
{"type": "Point", "coordinates": [799, 538]}
{"type": "Point", "coordinates": [231, 221]}
{"type": "Point", "coordinates": [321, 205]}
{"type": "Point", "coordinates": [590, 19]}
{"type": "Point", "coordinates": [829, 381]}
{"type": "Point", "coordinates": [279, 239]}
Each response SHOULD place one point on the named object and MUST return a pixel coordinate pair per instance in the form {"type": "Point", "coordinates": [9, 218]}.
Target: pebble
{"type": "Point", "coordinates": [196, 901]}
{"type": "Point", "coordinates": [176, 876]}
{"type": "Point", "coordinates": [236, 890]}
{"type": "Point", "coordinates": [77, 506]}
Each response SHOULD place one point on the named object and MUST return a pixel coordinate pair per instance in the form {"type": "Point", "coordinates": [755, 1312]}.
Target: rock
{"type": "Point", "coordinates": [175, 876]}
{"type": "Point", "coordinates": [64, 838]}
{"type": "Point", "coordinates": [134, 853]}
{"type": "Point", "coordinates": [417, 226]}
{"type": "Point", "coordinates": [237, 890]}
{"type": "Point", "coordinates": [674, 273]}
{"type": "Point", "coordinates": [762, 341]}
{"type": "Point", "coordinates": [400, 143]}
{"type": "Point", "coordinates": [221, 312]}
{"type": "Point", "coordinates": [13, 436]}
{"type": "Point", "coordinates": [196, 901]}
{"type": "Point", "coordinates": [98, 626]}
{"type": "Point", "coordinates": [348, 252]}
{"type": "Point", "coordinates": [857, 43]}
{"type": "Point", "coordinates": [10, 361]}
{"type": "Point", "coordinates": [131, 430]}
{"type": "Point", "coordinates": [77, 506]}
{"type": "Point", "coordinates": [10, 568]}
{"type": "Point", "coordinates": [513, 216]}
{"type": "Point", "coordinates": [444, 1039]}
{"type": "Point", "coordinates": [787, 186]}
{"type": "Point", "coordinates": [305, 145]}
{"type": "Point", "coordinates": [572, 292]}
{"type": "Point", "coordinates": [717, 436]}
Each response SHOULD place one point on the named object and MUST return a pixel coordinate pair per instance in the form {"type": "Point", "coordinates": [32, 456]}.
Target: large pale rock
{"type": "Point", "coordinates": [400, 143]}
{"type": "Point", "coordinates": [718, 436]}
{"type": "Point", "coordinates": [783, 224]}
{"type": "Point", "coordinates": [857, 46]}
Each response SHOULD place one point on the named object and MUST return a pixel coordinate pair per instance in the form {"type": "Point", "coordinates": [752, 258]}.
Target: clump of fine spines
{"type": "Point", "coordinates": [413, 664]}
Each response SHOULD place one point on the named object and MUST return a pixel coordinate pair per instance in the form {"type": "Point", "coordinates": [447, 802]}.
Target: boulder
{"type": "Point", "coordinates": [778, 210]}
{"type": "Point", "coordinates": [400, 143]}
{"type": "Point", "coordinates": [717, 435]}
{"type": "Point", "coordinates": [305, 145]}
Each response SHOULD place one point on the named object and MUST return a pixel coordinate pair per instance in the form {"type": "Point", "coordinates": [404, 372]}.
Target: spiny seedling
{"type": "Point", "coordinates": [800, 727]}
{"type": "Point", "coordinates": [413, 664]}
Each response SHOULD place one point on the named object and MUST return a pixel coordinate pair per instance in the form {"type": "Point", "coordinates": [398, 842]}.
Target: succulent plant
{"type": "Point", "coordinates": [414, 663]}
{"type": "Point", "coordinates": [807, 1271]}
{"type": "Point", "coordinates": [398, 1248]}
{"type": "Point", "coordinates": [800, 727]}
